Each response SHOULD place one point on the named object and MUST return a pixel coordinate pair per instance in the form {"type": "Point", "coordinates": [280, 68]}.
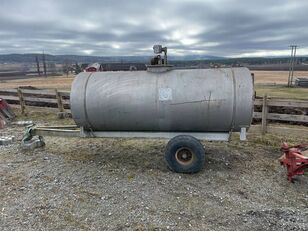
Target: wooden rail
{"type": "Point", "coordinates": [298, 106]}
{"type": "Point", "coordinates": [60, 100]}
{"type": "Point", "coordinates": [39, 98]}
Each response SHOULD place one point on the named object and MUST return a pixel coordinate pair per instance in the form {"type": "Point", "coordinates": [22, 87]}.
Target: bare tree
{"type": "Point", "coordinates": [44, 65]}
{"type": "Point", "coordinates": [37, 65]}
{"type": "Point", "coordinates": [77, 68]}
{"type": "Point", "coordinates": [66, 67]}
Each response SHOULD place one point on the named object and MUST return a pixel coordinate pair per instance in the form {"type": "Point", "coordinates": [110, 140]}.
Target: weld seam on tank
{"type": "Point", "coordinates": [89, 125]}
{"type": "Point", "coordinates": [234, 99]}
{"type": "Point", "coordinates": [252, 99]}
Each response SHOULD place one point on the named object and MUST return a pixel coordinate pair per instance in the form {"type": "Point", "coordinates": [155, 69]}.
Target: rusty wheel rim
{"type": "Point", "coordinates": [184, 156]}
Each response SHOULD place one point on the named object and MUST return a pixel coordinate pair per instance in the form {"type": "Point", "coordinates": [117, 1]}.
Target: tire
{"type": "Point", "coordinates": [185, 154]}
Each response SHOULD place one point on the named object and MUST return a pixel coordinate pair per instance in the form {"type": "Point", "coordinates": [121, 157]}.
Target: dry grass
{"type": "Point", "coordinates": [58, 82]}
{"type": "Point", "coordinates": [273, 83]}
{"type": "Point", "coordinates": [282, 92]}
{"type": "Point", "coordinates": [276, 77]}
{"type": "Point", "coordinates": [265, 83]}
{"type": "Point", "coordinates": [63, 82]}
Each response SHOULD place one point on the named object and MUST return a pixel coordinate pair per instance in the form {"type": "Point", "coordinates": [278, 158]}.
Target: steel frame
{"type": "Point", "coordinates": [74, 131]}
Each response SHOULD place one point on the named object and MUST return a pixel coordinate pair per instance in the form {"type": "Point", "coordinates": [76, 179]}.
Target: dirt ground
{"type": "Point", "coordinates": [124, 184]}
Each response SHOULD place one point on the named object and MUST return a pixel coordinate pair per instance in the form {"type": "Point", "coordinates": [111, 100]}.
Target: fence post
{"type": "Point", "coordinates": [59, 100]}
{"type": "Point", "coordinates": [21, 101]}
{"type": "Point", "coordinates": [264, 114]}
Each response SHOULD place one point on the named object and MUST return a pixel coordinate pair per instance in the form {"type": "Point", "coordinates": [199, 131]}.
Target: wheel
{"type": "Point", "coordinates": [185, 154]}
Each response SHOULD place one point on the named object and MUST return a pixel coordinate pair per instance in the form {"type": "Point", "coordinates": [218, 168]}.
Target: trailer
{"type": "Point", "coordinates": [184, 106]}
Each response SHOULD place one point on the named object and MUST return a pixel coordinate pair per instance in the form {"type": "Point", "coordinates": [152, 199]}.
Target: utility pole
{"type": "Point", "coordinates": [44, 65]}
{"type": "Point", "coordinates": [294, 61]}
{"type": "Point", "coordinates": [291, 64]}
{"type": "Point", "coordinates": [37, 65]}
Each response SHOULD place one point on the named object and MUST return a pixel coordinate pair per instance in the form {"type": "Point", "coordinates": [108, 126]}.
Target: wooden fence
{"type": "Point", "coordinates": [38, 98]}
{"type": "Point", "coordinates": [296, 110]}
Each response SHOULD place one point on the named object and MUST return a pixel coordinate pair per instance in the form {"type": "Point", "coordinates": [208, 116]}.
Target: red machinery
{"type": "Point", "coordinates": [2, 121]}
{"type": "Point", "coordinates": [6, 113]}
{"type": "Point", "coordinates": [294, 160]}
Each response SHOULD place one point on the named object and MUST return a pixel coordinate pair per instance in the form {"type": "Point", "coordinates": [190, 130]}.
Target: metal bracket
{"type": "Point", "coordinates": [28, 140]}
{"type": "Point", "coordinates": [243, 134]}
{"type": "Point", "coordinates": [28, 133]}
{"type": "Point", "coordinates": [33, 143]}
{"type": "Point", "coordinates": [211, 136]}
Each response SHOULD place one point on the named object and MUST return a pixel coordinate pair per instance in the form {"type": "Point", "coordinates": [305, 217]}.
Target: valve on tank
{"type": "Point", "coordinates": [158, 60]}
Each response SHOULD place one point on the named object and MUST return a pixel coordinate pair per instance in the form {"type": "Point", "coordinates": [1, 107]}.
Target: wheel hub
{"type": "Point", "coordinates": [184, 156]}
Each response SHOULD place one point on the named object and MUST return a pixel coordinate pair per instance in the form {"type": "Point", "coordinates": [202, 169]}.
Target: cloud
{"type": "Point", "coordinates": [116, 27]}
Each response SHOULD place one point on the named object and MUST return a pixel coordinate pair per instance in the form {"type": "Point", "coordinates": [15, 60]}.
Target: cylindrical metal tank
{"type": "Point", "coordinates": [195, 100]}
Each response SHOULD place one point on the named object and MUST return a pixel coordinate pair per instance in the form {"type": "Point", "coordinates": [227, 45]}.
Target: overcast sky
{"type": "Point", "coordinates": [131, 27]}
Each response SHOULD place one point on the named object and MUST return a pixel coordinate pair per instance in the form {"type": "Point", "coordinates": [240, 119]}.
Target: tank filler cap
{"type": "Point", "coordinates": [159, 64]}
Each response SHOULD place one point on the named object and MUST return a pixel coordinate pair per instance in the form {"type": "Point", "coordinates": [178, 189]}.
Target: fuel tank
{"type": "Point", "coordinates": [191, 100]}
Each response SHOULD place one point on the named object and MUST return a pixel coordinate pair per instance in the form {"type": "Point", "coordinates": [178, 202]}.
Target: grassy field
{"type": "Point", "coordinates": [272, 83]}
{"type": "Point", "coordinates": [276, 77]}
{"type": "Point", "coordinates": [282, 91]}
{"type": "Point", "coordinates": [58, 82]}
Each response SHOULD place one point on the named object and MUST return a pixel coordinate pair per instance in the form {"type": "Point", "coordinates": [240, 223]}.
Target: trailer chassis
{"type": "Point", "coordinates": [184, 152]}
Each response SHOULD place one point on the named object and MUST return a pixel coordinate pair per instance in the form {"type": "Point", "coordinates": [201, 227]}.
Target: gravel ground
{"type": "Point", "coordinates": [124, 184]}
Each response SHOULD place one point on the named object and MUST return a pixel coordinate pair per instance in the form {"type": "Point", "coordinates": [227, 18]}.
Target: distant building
{"type": "Point", "coordinates": [123, 66]}
{"type": "Point", "coordinates": [94, 67]}
{"type": "Point", "coordinates": [301, 82]}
